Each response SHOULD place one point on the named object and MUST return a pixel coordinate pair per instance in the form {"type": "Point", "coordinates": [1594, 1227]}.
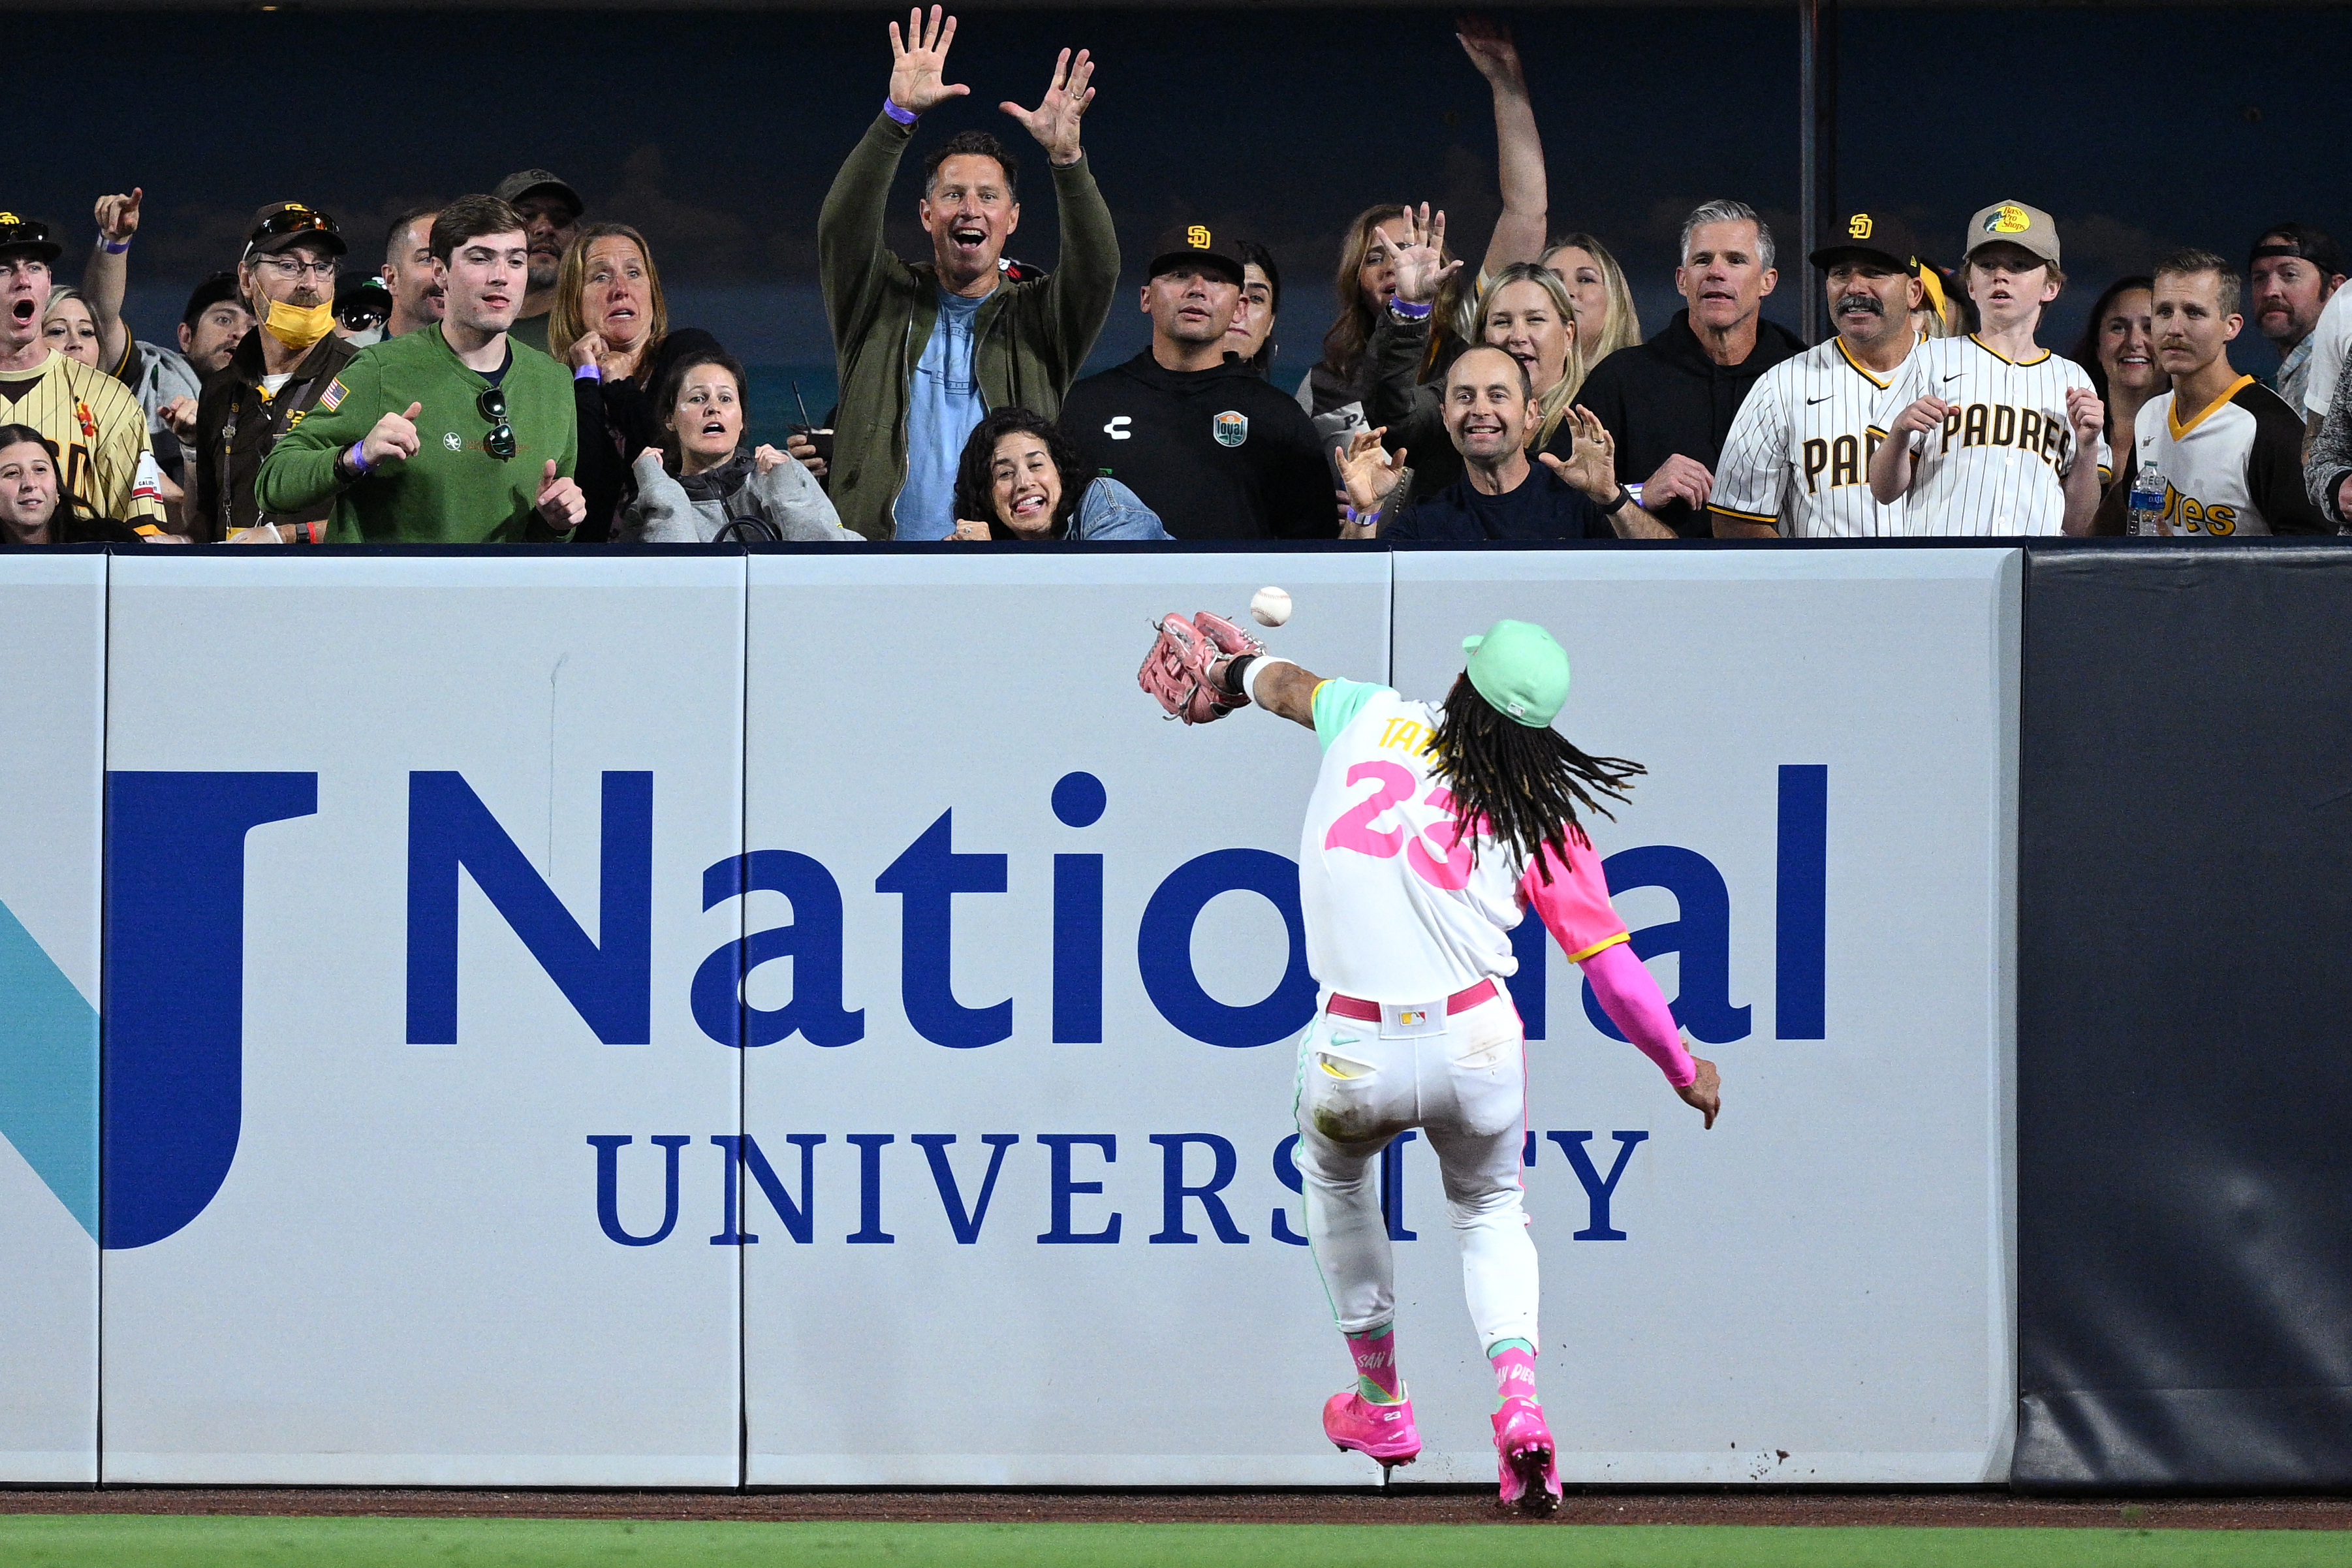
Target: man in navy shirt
{"type": "Point", "coordinates": [1500, 495]}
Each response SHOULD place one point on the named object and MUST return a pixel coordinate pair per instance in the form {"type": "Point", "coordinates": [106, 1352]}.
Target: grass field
{"type": "Point", "coordinates": [113, 1541]}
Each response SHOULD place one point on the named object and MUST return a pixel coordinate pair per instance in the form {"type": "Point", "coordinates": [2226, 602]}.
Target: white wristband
{"type": "Point", "coordinates": [1258, 667]}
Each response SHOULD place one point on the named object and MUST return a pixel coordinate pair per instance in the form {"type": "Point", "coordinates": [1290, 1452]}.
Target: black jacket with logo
{"type": "Point", "coordinates": [236, 426]}
{"type": "Point", "coordinates": [1666, 396]}
{"type": "Point", "coordinates": [1218, 454]}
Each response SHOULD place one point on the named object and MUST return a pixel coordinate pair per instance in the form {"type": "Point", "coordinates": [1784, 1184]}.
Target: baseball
{"type": "Point", "coordinates": [1269, 607]}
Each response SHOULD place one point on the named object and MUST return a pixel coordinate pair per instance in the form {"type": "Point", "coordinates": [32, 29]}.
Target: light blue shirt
{"type": "Point", "coordinates": [943, 407]}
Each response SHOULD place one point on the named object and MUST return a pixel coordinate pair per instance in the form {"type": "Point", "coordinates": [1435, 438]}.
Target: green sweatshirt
{"type": "Point", "coordinates": [452, 491]}
{"type": "Point", "coordinates": [1030, 338]}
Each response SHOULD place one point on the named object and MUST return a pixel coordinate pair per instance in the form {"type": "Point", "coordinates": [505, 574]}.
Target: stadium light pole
{"type": "Point", "coordinates": [1817, 149]}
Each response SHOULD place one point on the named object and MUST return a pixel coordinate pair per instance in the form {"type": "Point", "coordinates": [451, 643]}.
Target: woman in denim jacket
{"type": "Point", "coordinates": [1019, 479]}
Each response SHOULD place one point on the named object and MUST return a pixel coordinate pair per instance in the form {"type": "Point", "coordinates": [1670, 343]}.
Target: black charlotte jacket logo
{"type": "Point", "coordinates": [1231, 428]}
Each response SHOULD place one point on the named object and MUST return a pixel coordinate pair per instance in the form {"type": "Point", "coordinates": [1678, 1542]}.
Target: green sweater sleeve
{"type": "Point", "coordinates": [852, 263]}
{"type": "Point", "coordinates": [299, 471]}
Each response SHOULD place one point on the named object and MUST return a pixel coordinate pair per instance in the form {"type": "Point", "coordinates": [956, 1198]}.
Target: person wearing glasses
{"type": "Point", "coordinates": [454, 433]}
{"type": "Point", "coordinates": [286, 278]}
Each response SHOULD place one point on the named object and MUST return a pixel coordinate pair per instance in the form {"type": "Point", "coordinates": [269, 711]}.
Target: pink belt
{"type": "Point", "coordinates": [1365, 1012]}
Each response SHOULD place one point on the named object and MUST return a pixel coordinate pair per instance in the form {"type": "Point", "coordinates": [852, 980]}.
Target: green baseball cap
{"type": "Point", "coordinates": [1517, 668]}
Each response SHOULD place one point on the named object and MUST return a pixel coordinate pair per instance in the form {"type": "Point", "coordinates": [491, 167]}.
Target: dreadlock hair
{"type": "Point", "coordinates": [1525, 783]}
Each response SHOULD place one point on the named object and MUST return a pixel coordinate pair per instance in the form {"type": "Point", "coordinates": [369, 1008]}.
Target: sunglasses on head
{"type": "Point", "coordinates": [492, 405]}
{"type": "Point", "coordinates": [293, 221]}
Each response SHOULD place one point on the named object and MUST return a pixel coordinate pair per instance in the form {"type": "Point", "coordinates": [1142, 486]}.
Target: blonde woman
{"type": "Point", "coordinates": [1526, 311]}
{"type": "Point", "coordinates": [610, 325]}
{"type": "Point", "coordinates": [1605, 305]}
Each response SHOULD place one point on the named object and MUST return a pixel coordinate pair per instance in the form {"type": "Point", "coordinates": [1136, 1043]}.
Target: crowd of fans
{"type": "Point", "coordinates": [508, 372]}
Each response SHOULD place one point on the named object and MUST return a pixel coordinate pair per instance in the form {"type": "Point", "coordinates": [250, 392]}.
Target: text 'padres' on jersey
{"type": "Point", "coordinates": [100, 433]}
{"type": "Point", "coordinates": [1999, 465]}
{"type": "Point", "coordinates": [1799, 451]}
{"type": "Point", "coordinates": [2236, 468]}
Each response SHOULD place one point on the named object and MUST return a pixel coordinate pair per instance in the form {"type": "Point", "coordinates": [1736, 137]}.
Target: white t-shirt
{"type": "Point", "coordinates": [1999, 465]}
{"type": "Point", "coordinates": [1397, 910]}
{"type": "Point", "coordinates": [2328, 342]}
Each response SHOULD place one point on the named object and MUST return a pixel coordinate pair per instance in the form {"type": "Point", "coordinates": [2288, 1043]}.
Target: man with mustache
{"type": "Point", "coordinates": [1670, 402]}
{"type": "Point", "coordinates": [551, 211]}
{"type": "Point", "coordinates": [1797, 462]}
{"type": "Point", "coordinates": [408, 272]}
{"type": "Point", "coordinates": [927, 348]}
{"type": "Point", "coordinates": [2230, 452]}
{"type": "Point", "coordinates": [2293, 270]}
{"type": "Point", "coordinates": [287, 280]}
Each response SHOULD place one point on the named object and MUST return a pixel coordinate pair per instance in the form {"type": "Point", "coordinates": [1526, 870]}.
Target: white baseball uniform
{"type": "Point", "coordinates": [1799, 451]}
{"type": "Point", "coordinates": [2235, 469]}
{"type": "Point", "coordinates": [1400, 911]}
{"type": "Point", "coordinates": [1999, 465]}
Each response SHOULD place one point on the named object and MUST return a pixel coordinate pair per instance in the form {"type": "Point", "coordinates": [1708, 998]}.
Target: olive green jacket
{"type": "Point", "coordinates": [1030, 338]}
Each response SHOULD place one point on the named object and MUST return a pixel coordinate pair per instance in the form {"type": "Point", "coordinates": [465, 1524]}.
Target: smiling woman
{"type": "Point", "coordinates": [1020, 479]}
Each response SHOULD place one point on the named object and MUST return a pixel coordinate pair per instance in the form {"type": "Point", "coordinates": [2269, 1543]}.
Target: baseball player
{"type": "Point", "coordinates": [1797, 462]}
{"type": "Point", "coordinates": [1991, 434]}
{"type": "Point", "coordinates": [1431, 831]}
{"type": "Point", "coordinates": [2230, 451]}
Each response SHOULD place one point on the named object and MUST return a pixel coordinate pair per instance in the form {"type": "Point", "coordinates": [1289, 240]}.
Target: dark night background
{"type": "Point", "coordinates": [717, 133]}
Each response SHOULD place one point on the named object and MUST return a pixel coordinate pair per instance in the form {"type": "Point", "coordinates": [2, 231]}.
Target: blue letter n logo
{"type": "Point", "coordinates": [609, 980]}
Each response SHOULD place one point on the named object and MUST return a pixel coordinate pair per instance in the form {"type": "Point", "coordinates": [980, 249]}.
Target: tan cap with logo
{"type": "Point", "coordinates": [2013, 222]}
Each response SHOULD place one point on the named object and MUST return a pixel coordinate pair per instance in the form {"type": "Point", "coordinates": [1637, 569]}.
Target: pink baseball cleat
{"type": "Point", "coordinates": [1384, 1431]}
{"type": "Point", "coordinates": [1523, 1455]}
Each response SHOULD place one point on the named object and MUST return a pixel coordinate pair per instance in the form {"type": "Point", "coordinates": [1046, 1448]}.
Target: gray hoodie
{"type": "Point", "coordinates": [669, 511]}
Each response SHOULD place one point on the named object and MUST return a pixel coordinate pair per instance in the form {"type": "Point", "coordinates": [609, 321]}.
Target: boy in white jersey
{"type": "Point", "coordinates": [1432, 832]}
{"type": "Point", "coordinates": [1991, 434]}
{"type": "Point", "coordinates": [2229, 449]}
{"type": "Point", "coordinates": [1797, 462]}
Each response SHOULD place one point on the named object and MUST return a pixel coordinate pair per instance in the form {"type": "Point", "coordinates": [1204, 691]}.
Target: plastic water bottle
{"type": "Point", "coordinates": [2146, 499]}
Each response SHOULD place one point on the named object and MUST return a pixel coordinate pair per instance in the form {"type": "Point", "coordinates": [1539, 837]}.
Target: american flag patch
{"type": "Point", "coordinates": [333, 396]}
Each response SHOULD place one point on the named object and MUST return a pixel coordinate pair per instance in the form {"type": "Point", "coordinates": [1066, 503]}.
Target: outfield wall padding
{"type": "Point", "coordinates": [2185, 879]}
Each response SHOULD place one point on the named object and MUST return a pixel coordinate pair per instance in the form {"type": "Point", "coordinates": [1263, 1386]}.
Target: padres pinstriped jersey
{"type": "Point", "coordinates": [2236, 468]}
{"type": "Point", "coordinates": [2000, 464]}
{"type": "Point", "coordinates": [1799, 451]}
{"type": "Point", "coordinates": [100, 434]}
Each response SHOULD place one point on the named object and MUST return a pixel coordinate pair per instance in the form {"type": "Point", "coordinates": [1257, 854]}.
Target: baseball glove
{"type": "Point", "coordinates": [1181, 670]}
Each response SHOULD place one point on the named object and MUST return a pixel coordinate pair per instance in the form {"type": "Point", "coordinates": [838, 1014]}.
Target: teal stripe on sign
{"type": "Point", "coordinates": [48, 1071]}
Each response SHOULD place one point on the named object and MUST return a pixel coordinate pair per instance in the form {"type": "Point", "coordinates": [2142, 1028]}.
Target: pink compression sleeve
{"type": "Point", "coordinates": [1631, 997]}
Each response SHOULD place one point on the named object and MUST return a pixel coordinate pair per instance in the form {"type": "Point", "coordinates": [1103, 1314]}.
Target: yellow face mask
{"type": "Point", "coordinates": [298, 326]}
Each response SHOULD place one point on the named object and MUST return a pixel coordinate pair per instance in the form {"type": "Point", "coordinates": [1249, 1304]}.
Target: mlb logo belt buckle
{"type": "Point", "coordinates": [1412, 1020]}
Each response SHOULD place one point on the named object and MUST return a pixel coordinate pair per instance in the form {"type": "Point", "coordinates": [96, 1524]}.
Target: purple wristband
{"type": "Point", "coordinates": [588, 372]}
{"type": "Point", "coordinates": [1409, 312]}
{"type": "Point", "coordinates": [359, 458]}
{"type": "Point", "coordinates": [110, 247]}
{"type": "Point", "coordinates": [903, 116]}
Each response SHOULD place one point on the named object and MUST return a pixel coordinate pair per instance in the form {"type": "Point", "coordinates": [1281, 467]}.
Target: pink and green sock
{"type": "Point", "coordinates": [1376, 1367]}
{"type": "Point", "coordinates": [1514, 1362]}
